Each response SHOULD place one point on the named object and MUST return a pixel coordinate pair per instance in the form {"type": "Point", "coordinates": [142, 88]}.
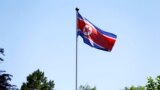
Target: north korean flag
{"type": "Point", "coordinates": [94, 36]}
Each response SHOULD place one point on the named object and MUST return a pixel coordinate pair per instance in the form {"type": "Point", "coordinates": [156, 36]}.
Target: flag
{"type": "Point", "coordinates": [94, 36]}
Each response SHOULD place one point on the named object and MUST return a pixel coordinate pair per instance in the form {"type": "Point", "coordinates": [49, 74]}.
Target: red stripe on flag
{"type": "Point", "coordinates": [95, 36]}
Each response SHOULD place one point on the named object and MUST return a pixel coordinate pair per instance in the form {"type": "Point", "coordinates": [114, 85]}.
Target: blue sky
{"type": "Point", "coordinates": [41, 34]}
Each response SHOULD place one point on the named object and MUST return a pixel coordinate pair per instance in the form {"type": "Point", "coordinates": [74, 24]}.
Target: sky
{"type": "Point", "coordinates": [41, 34]}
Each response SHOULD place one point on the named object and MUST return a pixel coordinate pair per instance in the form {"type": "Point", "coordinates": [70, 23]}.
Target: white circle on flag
{"type": "Point", "coordinates": [87, 30]}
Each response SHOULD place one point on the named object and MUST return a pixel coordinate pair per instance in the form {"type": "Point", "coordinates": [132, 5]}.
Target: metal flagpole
{"type": "Point", "coordinates": [76, 81]}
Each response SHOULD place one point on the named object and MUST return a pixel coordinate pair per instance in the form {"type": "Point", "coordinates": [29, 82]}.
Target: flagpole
{"type": "Point", "coordinates": [76, 81]}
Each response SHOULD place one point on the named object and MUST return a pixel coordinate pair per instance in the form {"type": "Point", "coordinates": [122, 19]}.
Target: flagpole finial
{"type": "Point", "coordinates": [77, 9]}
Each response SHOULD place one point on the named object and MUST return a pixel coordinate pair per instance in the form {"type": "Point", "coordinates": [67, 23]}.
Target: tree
{"type": "Point", "coordinates": [151, 84]}
{"type": "Point", "coordinates": [5, 78]}
{"type": "Point", "coordinates": [158, 82]}
{"type": "Point", "coordinates": [1, 52]}
{"type": "Point", "coordinates": [140, 88]}
{"type": "Point", "coordinates": [37, 81]}
{"type": "Point", "coordinates": [87, 87]}
{"type": "Point", "coordinates": [135, 88]}
{"type": "Point", "coordinates": [4, 81]}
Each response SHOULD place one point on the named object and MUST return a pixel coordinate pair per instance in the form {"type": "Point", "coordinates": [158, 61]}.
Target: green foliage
{"type": "Point", "coordinates": [150, 85]}
{"type": "Point", "coordinates": [5, 78]}
{"type": "Point", "coordinates": [87, 87]}
{"type": "Point", "coordinates": [158, 82]}
{"type": "Point", "coordinates": [4, 81]}
{"type": "Point", "coordinates": [135, 88]}
{"type": "Point", "coordinates": [1, 52]}
{"type": "Point", "coordinates": [37, 81]}
{"type": "Point", "coordinates": [140, 88]}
